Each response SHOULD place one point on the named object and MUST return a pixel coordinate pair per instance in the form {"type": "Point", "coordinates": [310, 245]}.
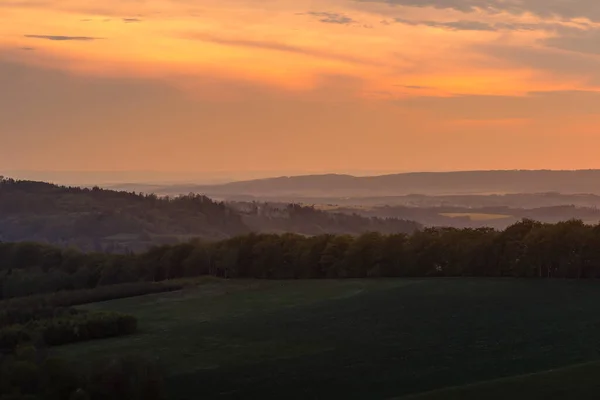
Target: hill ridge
{"type": "Point", "coordinates": [428, 183]}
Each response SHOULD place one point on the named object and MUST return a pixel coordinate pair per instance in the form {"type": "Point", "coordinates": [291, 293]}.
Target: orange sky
{"type": "Point", "coordinates": [302, 85]}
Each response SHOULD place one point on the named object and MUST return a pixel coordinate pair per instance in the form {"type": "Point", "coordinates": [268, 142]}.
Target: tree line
{"type": "Point", "coordinates": [569, 249]}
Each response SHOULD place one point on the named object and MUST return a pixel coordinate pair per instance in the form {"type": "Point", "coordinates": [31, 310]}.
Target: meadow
{"type": "Point", "coordinates": [574, 382]}
{"type": "Point", "coordinates": [363, 339]}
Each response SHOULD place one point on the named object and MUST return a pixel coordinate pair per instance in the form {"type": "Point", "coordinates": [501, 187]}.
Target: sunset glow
{"type": "Point", "coordinates": [304, 85]}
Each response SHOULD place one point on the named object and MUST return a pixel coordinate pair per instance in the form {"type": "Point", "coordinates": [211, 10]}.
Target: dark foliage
{"type": "Point", "coordinates": [98, 219]}
{"type": "Point", "coordinates": [111, 221]}
{"type": "Point", "coordinates": [82, 327]}
{"type": "Point", "coordinates": [24, 309]}
{"type": "Point", "coordinates": [568, 249]}
{"type": "Point", "coordinates": [67, 327]}
{"type": "Point", "coordinates": [27, 373]}
{"type": "Point", "coordinates": [307, 220]}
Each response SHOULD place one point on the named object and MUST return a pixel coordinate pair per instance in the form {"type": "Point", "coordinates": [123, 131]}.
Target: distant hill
{"type": "Point", "coordinates": [427, 183]}
{"type": "Point", "coordinates": [98, 219]}
{"type": "Point", "coordinates": [107, 220]}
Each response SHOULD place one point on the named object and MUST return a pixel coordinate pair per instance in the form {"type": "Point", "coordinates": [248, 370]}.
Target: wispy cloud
{"type": "Point", "coordinates": [474, 25]}
{"type": "Point", "coordinates": [542, 8]}
{"type": "Point", "coordinates": [582, 42]}
{"type": "Point", "coordinates": [131, 20]}
{"type": "Point", "coordinates": [63, 38]}
{"type": "Point", "coordinates": [454, 25]}
{"type": "Point", "coordinates": [331, 18]}
{"type": "Point", "coordinates": [415, 87]}
{"type": "Point", "coordinates": [23, 3]}
{"type": "Point", "coordinates": [282, 47]}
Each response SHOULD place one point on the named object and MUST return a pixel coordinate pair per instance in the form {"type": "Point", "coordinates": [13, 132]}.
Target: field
{"type": "Point", "coordinates": [364, 339]}
{"type": "Point", "coordinates": [476, 216]}
{"type": "Point", "coordinates": [577, 382]}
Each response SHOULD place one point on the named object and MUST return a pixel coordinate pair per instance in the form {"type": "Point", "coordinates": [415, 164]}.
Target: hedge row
{"type": "Point", "coordinates": [24, 309]}
{"type": "Point", "coordinates": [77, 327]}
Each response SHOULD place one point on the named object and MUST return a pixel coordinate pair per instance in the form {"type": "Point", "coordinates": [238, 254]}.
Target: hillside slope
{"type": "Point", "coordinates": [357, 339]}
{"type": "Point", "coordinates": [108, 220]}
{"type": "Point", "coordinates": [431, 183]}
{"type": "Point", "coordinates": [96, 218]}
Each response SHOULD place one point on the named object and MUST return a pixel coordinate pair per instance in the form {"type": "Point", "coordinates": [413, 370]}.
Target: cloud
{"type": "Point", "coordinates": [27, 48]}
{"type": "Point", "coordinates": [573, 65]}
{"type": "Point", "coordinates": [542, 8]}
{"type": "Point", "coordinates": [23, 3]}
{"type": "Point", "coordinates": [63, 38]}
{"type": "Point", "coordinates": [472, 25]}
{"type": "Point", "coordinates": [584, 42]}
{"type": "Point", "coordinates": [282, 47]}
{"type": "Point", "coordinates": [454, 26]}
{"type": "Point", "coordinates": [415, 87]}
{"type": "Point", "coordinates": [131, 20]}
{"type": "Point", "coordinates": [331, 18]}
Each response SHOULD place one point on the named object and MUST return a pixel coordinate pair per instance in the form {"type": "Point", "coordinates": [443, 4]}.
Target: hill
{"type": "Point", "coordinates": [430, 183]}
{"type": "Point", "coordinates": [97, 218]}
{"type": "Point", "coordinates": [108, 220]}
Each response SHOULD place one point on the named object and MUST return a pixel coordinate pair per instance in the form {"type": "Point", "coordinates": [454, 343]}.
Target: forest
{"type": "Point", "coordinates": [569, 249]}
{"type": "Point", "coordinates": [101, 220]}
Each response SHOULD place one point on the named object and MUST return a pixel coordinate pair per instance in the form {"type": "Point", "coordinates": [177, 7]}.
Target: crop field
{"type": "Point", "coordinates": [364, 339]}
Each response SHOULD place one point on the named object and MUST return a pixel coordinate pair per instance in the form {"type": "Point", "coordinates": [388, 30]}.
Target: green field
{"type": "Point", "coordinates": [363, 339]}
{"type": "Point", "coordinates": [578, 382]}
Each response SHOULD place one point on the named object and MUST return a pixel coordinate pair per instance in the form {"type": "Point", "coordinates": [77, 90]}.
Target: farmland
{"type": "Point", "coordinates": [355, 338]}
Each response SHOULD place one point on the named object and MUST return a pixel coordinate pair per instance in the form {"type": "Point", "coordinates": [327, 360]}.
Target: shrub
{"type": "Point", "coordinates": [77, 327]}
{"type": "Point", "coordinates": [83, 326]}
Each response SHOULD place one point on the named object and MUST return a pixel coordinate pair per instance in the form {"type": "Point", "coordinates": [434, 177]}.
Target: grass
{"type": "Point", "coordinates": [356, 339]}
{"type": "Point", "coordinates": [476, 216]}
{"type": "Point", "coordinates": [575, 382]}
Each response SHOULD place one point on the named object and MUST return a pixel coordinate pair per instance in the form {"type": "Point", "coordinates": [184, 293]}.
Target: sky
{"type": "Point", "coordinates": [299, 85]}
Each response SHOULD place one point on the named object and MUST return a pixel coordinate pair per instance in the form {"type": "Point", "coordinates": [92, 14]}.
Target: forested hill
{"type": "Point", "coordinates": [427, 183]}
{"type": "Point", "coordinates": [274, 218]}
{"type": "Point", "coordinates": [96, 219]}
{"type": "Point", "coordinates": [106, 220]}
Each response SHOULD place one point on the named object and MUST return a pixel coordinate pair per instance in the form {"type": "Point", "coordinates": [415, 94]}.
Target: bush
{"type": "Point", "coordinates": [129, 378]}
{"type": "Point", "coordinates": [83, 326]}
{"type": "Point", "coordinates": [12, 336]}
{"type": "Point", "coordinates": [27, 374]}
{"type": "Point", "coordinates": [77, 327]}
{"type": "Point", "coordinates": [25, 309]}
